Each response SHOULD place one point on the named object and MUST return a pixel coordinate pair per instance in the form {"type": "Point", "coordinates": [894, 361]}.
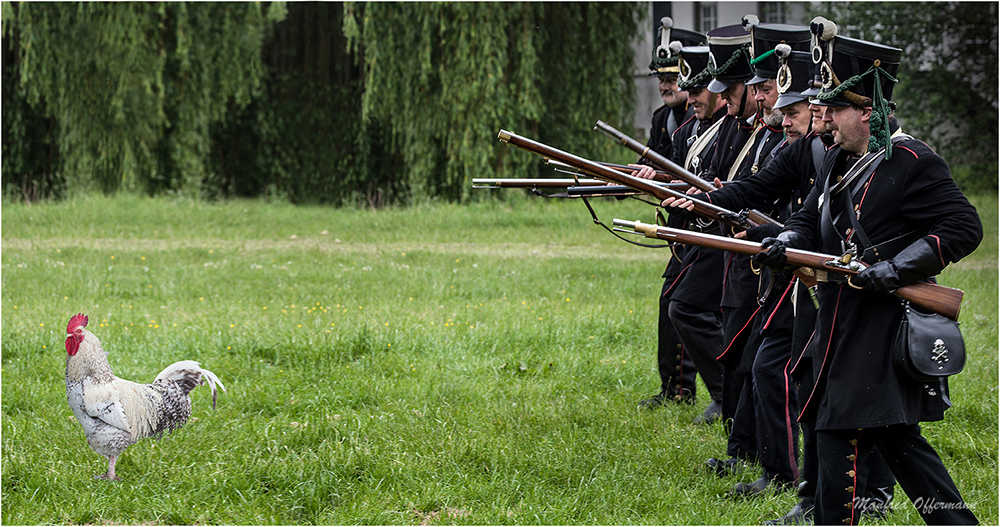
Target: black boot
{"type": "Point", "coordinates": [802, 512]}
{"type": "Point", "coordinates": [876, 504]}
{"type": "Point", "coordinates": [758, 487]}
{"type": "Point", "coordinates": [655, 401]}
{"type": "Point", "coordinates": [712, 414]}
{"type": "Point", "coordinates": [726, 467]}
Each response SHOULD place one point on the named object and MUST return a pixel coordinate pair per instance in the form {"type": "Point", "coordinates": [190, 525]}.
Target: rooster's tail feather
{"type": "Point", "coordinates": [188, 374]}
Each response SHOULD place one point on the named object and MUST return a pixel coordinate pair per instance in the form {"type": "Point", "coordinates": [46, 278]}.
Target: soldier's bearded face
{"type": "Point", "coordinates": [796, 120]}
{"type": "Point", "coordinates": [766, 95]}
{"type": "Point", "coordinates": [703, 101]}
{"type": "Point", "coordinates": [669, 92]}
{"type": "Point", "coordinates": [850, 129]}
{"type": "Point", "coordinates": [819, 125]}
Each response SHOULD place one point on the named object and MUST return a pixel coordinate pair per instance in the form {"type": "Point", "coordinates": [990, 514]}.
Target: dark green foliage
{"type": "Point", "coordinates": [446, 77]}
{"type": "Point", "coordinates": [131, 89]}
{"type": "Point", "coordinates": [368, 104]}
{"type": "Point", "coordinates": [947, 91]}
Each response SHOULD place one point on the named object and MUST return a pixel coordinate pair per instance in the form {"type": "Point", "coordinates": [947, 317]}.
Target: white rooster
{"type": "Point", "coordinates": [116, 413]}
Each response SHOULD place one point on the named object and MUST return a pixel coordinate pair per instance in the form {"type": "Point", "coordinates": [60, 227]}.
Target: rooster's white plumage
{"type": "Point", "coordinates": [116, 413]}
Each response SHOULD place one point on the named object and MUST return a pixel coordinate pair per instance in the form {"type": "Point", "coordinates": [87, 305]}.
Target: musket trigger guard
{"type": "Point", "coordinates": [741, 218]}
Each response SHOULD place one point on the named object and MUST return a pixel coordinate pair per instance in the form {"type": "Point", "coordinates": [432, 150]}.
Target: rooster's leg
{"type": "Point", "coordinates": [110, 474]}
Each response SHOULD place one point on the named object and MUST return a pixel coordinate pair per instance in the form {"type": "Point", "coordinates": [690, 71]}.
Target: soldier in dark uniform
{"type": "Point", "coordinates": [893, 203]}
{"type": "Point", "coordinates": [677, 370]}
{"type": "Point", "coordinates": [739, 298]}
{"type": "Point", "coordinates": [693, 295]}
{"type": "Point", "coordinates": [675, 110]}
{"type": "Point", "coordinates": [790, 314]}
{"type": "Point", "coordinates": [730, 61]}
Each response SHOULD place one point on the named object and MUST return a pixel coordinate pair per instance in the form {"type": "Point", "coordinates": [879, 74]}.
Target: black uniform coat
{"type": "Point", "coordinates": [739, 287]}
{"type": "Point", "coordinates": [699, 281]}
{"type": "Point", "coordinates": [783, 183]}
{"type": "Point", "coordinates": [665, 122]}
{"type": "Point", "coordinates": [856, 383]}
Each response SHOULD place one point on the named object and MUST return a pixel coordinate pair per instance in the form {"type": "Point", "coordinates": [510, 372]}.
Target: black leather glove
{"type": "Point", "coordinates": [882, 277]}
{"type": "Point", "coordinates": [773, 255]}
{"type": "Point", "coordinates": [916, 262]}
{"type": "Point", "coordinates": [762, 232]}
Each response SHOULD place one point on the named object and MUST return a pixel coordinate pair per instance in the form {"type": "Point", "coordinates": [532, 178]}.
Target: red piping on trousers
{"type": "Point", "coordinates": [788, 428]}
{"type": "Point", "coordinates": [738, 333]}
{"type": "Point", "coordinates": [826, 353]}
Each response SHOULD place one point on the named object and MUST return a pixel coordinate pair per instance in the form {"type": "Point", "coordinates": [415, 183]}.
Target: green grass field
{"type": "Point", "coordinates": [432, 365]}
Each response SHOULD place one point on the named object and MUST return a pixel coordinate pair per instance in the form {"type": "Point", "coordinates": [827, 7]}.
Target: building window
{"type": "Point", "coordinates": [708, 15]}
{"type": "Point", "coordinates": [774, 12]}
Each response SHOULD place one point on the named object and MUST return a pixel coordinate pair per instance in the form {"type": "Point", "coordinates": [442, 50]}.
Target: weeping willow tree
{"type": "Point", "coordinates": [131, 89]}
{"type": "Point", "coordinates": [444, 78]}
{"type": "Point", "coordinates": [366, 103]}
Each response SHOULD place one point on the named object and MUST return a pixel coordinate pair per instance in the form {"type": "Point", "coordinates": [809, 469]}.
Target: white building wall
{"type": "Point", "coordinates": [684, 16]}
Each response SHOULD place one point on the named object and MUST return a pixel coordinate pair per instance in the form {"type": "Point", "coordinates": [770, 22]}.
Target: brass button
{"type": "Point", "coordinates": [852, 457]}
{"type": "Point", "coordinates": [850, 473]}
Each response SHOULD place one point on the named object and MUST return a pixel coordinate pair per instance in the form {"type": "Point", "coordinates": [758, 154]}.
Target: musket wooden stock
{"type": "Point", "coordinates": [931, 297]}
{"type": "Point", "coordinates": [702, 208]}
{"type": "Point", "coordinates": [675, 170]}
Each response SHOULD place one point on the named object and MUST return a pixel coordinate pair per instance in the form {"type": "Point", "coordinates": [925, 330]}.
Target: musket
{"type": "Point", "coordinates": [946, 301]}
{"type": "Point", "coordinates": [536, 183]}
{"type": "Point", "coordinates": [675, 170]}
{"type": "Point", "coordinates": [562, 183]}
{"type": "Point", "coordinates": [702, 208]}
{"type": "Point", "coordinates": [658, 175]}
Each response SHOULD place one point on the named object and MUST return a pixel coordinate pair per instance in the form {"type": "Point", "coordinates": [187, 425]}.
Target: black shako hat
{"type": "Point", "coordinates": [665, 53]}
{"type": "Point", "coordinates": [862, 73]}
{"type": "Point", "coordinates": [795, 75]}
{"type": "Point", "coordinates": [693, 66]}
{"type": "Point", "coordinates": [858, 72]}
{"type": "Point", "coordinates": [729, 56]}
{"type": "Point", "coordinates": [823, 31]}
{"type": "Point", "coordinates": [764, 38]}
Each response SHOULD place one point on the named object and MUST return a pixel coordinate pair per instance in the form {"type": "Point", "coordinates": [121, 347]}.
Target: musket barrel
{"type": "Point", "coordinates": [702, 208]}
{"type": "Point", "coordinates": [944, 300]}
{"type": "Point", "coordinates": [673, 169]}
{"type": "Point", "coordinates": [661, 162]}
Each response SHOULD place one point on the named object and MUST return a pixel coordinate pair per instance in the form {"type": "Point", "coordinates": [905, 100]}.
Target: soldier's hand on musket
{"type": "Point", "coordinates": [644, 171]}
{"type": "Point", "coordinates": [759, 233]}
{"type": "Point", "coordinates": [681, 203]}
{"type": "Point", "coordinates": [774, 254]}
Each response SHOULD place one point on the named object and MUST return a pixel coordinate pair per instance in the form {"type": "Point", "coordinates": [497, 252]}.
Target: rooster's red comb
{"type": "Point", "coordinates": [78, 320]}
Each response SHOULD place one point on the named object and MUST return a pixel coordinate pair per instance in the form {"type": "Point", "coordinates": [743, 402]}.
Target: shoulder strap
{"type": "Point", "coordinates": [828, 222]}
{"type": "Point", "coordinates": [733, 170]}
{"type": "Point", "coordinates": [704, 142]}
{"type": "Point", "coordinates": [818, 153]}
